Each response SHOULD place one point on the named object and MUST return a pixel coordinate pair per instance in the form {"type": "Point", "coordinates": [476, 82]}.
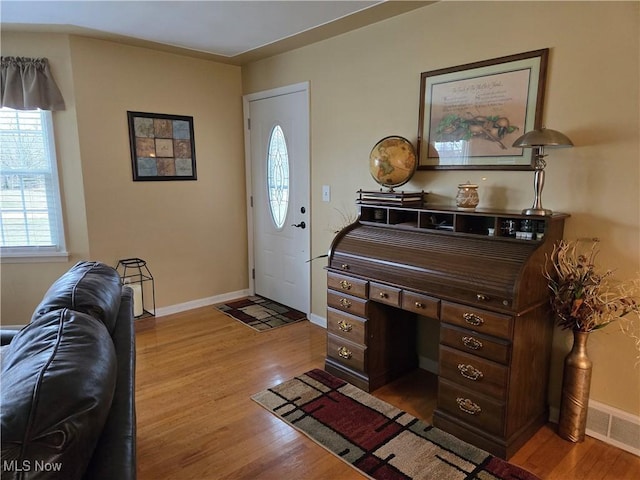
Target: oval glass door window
{"type": "Point", "coordinates": [278, 176]}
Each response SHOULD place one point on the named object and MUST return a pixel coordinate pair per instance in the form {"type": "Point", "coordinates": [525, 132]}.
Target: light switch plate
{"type": "Point", "coordinates": [326, 193]}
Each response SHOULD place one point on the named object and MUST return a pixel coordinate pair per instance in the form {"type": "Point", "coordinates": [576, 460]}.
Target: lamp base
{"type": "Point", "coordinates": [543, 212]}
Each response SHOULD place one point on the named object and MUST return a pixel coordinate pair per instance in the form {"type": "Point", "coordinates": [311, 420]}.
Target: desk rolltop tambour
{"type": "Point", "coordinates": [491, 299]}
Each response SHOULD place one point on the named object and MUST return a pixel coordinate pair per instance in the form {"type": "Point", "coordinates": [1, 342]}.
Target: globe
{"type": "Point", "coordinates": [392, 161]}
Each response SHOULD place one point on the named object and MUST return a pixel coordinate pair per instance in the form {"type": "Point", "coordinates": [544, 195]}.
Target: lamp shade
{"type": "Point", "coordinates": [544, 137]}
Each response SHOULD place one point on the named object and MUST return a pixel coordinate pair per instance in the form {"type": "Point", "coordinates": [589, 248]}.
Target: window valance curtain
{"type": "Point", "coordinates": [27, 84]}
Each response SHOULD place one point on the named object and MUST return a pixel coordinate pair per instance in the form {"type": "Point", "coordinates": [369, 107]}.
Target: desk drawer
{"type": "Point", "coordinates": [346, 326]}
{"type": "Point", "coordinates": [420, 304]}
{"type": "Point", "coordinates": [482, 321]}
{"type": "Point", "coordinates": [476, 344]}
{"type": "Point", "coordinates": [473, 372]}
{"type": "Point", "coordinates": [471, 407]}
{"type": "Point", "coordinates": [346, 352]}
{"type": "Point", "coordinates": [347, 303]}
{"type": "Point", "coordinates": [351, 285]}
{"type": "Point", "coordinates": [384, 294]}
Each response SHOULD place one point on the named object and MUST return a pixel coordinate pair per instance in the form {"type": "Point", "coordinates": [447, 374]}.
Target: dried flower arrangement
{"type": "Point", "coordinates": [584, 299]}
{"type": "Point", "coordinates": [347, 217]}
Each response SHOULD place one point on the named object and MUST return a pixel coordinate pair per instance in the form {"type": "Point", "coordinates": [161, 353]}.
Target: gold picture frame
{"type": "Point", "coordinates": [471, 114]}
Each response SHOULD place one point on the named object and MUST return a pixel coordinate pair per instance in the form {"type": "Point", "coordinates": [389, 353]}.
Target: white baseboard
{"type": "Point", "coordinates": [318, 320]}
{"type": "Point", "coordinates": [181, 307]}
{"type": "Point", "coordinates": [225, 297]}
{"type": "Point", "coordinates": [616, 427]}
{"type": "Point", "coordinates": [203, 302]}
{"type": "Point", "coordinates": [428, 364]}
{"type": "Point", "coordinates": [610, 425]}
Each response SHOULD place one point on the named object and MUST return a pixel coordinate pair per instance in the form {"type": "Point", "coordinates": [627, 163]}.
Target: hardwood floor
{"type": "Point", "coordinates": [196, 371]}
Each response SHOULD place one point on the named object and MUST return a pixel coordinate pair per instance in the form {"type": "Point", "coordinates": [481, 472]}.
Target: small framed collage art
{"type": "Point", "coordinates": [162, 147]}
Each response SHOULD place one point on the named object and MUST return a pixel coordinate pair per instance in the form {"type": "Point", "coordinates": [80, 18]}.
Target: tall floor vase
{"type": "Point", "coordinates": [576, 382]}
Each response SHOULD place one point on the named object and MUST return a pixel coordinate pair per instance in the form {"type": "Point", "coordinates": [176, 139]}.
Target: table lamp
{"type": "Point", "coordinates": [539, 139]}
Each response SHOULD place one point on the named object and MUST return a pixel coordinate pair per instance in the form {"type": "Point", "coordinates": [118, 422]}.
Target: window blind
{"type": "Point", "coordinates": [30, 216]}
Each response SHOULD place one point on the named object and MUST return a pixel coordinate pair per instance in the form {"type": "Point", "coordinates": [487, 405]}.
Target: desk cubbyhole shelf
{"type": "Point", "coordinates": [500, 223]}
{"type": "Point", "coordinates": [476, 224]}
{"type": "Point", "coordinates": [406, 218]}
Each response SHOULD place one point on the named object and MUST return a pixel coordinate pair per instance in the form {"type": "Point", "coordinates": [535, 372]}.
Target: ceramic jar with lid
{"type": "Point", "coordinates": [467, 198]}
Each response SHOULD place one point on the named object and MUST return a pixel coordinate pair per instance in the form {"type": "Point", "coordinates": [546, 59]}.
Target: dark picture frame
{"type": "Point", "coordinates": [471, 114]}
{"type": "Point", "coordinates": [162, 147]}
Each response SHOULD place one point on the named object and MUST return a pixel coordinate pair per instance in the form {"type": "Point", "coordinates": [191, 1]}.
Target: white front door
{"type": "Point", "coordinates": [277, 127]}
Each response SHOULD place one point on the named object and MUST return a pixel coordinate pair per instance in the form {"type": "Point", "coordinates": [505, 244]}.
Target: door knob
{"type": "Point", "coordinates": [299, 225]}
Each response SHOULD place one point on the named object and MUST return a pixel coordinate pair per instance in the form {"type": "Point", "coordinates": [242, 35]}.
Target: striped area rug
{"type": "Point", "coordinates": [260, 313]}
{"type": "Point", "coordinates": [381, 441]}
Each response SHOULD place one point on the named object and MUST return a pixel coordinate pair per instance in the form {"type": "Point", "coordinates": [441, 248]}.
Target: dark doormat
{"type": "Point", "coordinates": [260, 313]}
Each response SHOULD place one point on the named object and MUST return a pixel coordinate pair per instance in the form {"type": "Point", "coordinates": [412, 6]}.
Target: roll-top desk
{"type": "Point", "coordinates": [488, 293]}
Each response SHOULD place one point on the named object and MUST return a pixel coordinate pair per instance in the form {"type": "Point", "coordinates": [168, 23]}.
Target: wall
{"type": "Point", "coordinates": [365, 86]}
{"type": "Point", "coordinates": [191, 233]}
{"type": "Point", "coordinates": [23, 284]}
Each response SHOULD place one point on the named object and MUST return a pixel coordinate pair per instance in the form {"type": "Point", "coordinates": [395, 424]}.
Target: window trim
{"type": "Point", "coordinates": [53, 253]}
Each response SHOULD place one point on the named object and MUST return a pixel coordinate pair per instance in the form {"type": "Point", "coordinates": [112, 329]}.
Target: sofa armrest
{"type": "Point", "coordinates": [6, 335]}
{"type": "Point", "coordinates": [115, 454]}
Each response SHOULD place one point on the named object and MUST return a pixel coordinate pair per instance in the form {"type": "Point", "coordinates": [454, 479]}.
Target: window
{"type": "Point", "coordinates": [30, 212]}
{"type": "Point", "coordinates": [278, 176]}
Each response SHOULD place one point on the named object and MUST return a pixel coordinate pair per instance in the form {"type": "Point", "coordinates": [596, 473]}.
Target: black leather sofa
{"type": "Point", "coordinates": [67, 397]}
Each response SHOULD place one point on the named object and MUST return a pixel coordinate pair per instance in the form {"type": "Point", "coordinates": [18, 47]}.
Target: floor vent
{"type": "Point", "coordinates": [610, 425]}
{"type": "Point", "coordinates": [614, 426]}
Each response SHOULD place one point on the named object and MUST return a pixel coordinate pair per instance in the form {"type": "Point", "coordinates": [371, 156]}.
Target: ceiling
{"type": "Point", "coordinates": [234, 32]}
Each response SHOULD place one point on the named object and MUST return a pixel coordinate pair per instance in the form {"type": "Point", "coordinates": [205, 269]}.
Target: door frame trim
{"type": "Point", "coordinates": [246, 99]}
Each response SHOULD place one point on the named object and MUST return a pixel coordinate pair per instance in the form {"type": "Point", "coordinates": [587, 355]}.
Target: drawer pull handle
{"type": "Point", "coordinates": [481, 297]}
{"type": "Point", "coordinates": [345, 303]}
{"type": "Point", "coordinates": [344, 266]}
{"type": "Point", "coordinates": [345, 353]}
{"type": "Point", "coordinates": [345, 285]}
{"type": "Point", "coordinates": [470, 372]}
{"type": "Point", "coordinates": [467, 406]}
{"type": "Point", "coordinates": [419, 305]}
{"type": "Point", "coordinates": [472, 319]}
{"type": "Point", "coordinates": [472, 343]}
{"type": "Point", "coordinates": [383, 295]}
{"type": "Point", "coordinates": [344, 326]}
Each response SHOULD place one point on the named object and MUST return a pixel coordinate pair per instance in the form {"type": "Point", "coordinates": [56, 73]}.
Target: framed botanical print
{"type": "Point", "coordinates": [470, 115]}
